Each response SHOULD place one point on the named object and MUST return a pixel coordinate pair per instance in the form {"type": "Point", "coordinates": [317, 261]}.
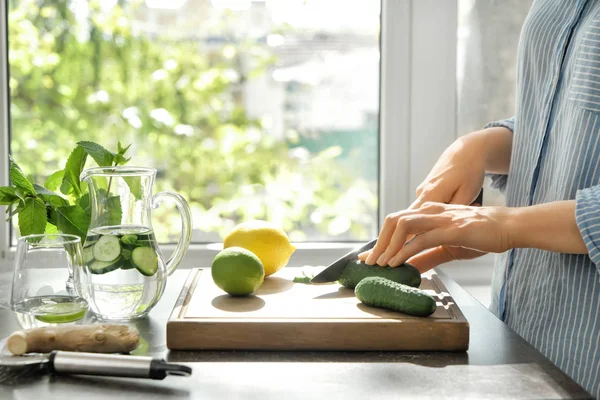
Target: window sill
{"type": "Point", "coordinates": [473, 272]}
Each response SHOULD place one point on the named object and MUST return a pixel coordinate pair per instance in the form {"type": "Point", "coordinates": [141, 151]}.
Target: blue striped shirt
{"type": "Point", "coordinates": [553, 299]}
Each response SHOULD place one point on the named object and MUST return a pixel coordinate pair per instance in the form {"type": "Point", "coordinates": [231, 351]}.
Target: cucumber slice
{"type": "Point", "coordinates": [88, 255]}
{"type": "Point", "coordinates": [108, 248]}
{"type": "Point", "coordinates": [98, 267]}
{"type": "Point", "coordinates": [145, 260]}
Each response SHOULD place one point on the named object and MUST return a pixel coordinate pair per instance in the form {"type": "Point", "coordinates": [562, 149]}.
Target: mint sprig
{"type": "Point", "coordinates": [62, 203]}
{"type": "Point", "coordinates": [19, 180]}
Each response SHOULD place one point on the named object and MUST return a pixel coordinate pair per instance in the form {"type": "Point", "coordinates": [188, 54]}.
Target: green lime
{"type": "Point", "coordinates": [237, 271]}
{"type": "Point", "coordinates": [61, 312]}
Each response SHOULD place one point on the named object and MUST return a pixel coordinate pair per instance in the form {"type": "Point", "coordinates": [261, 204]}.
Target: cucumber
{"type": "Point", "coordinates": [145, 260]}
{"type": "Point", "coordinates": [356, 271]}
{"type": "Point", "coordinates": [98, 267]}
{"type": "Point", "coordinates": [380, 292]}
{"type": "Point", "coordinates": [107, 248]}
{"type": "Point", "coordinates": [88, 255]}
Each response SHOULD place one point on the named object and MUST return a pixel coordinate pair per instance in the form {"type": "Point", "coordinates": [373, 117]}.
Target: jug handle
{"type": "Point", "coordinates": [186, 227]}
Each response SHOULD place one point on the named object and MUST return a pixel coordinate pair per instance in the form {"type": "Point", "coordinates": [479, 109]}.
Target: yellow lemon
{"type": "Point", "coordinates": [270, 243]}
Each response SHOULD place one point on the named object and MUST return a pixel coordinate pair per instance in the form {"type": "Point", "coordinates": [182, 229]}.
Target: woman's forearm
{"type": "Point", "coordinates": [550, 226]}
{"type": "Point", "coordinates": [499, 146]}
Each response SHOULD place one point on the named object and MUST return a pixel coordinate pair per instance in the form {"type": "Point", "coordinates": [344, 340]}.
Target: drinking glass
{"type": "Point", "coordinates": [42, 289]}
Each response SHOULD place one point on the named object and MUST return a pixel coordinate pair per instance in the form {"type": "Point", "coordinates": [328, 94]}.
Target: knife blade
{"type": "Point", "coordinates": [334, 270]}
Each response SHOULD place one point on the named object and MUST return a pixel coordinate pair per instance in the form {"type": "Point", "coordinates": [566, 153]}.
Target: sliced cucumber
{"type": "Point", "coordinates": [145, 260]}
{"type": "Point", "coordinates": [108, 248]}
{"type": "Point", "coordinates": [88, 255]}
{"type": "Point", "coordinates": [102, 267]}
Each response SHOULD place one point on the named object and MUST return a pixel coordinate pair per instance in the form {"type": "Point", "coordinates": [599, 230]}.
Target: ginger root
{"type": "Point", "coordinates": [97, 338]}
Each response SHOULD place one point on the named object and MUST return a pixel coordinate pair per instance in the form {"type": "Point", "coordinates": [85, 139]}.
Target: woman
{"type": "Point", "coordinates": [546, 283]}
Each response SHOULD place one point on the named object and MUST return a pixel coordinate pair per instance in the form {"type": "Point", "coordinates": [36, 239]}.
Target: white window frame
{"type": "Point", "coordinates": [417, 115]}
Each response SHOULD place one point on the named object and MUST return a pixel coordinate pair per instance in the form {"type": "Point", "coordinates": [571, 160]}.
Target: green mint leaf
{"type": "Point", "coordinates": [7, 195]}
{"type": "Point", "coordinates": [84, 201]}
{"type": "Point", "coordinates": [39, 189]}
{"type": "Point", "coordinates": [53, 182]}
{"type": "Point", "coordinates": [101, 194]}
{"type": "Point", "coordinates": [13, 208]}
{"type": "Point", "coordinates": [103, 157]}
{"type": "Point", "coordinates": [135, 186]}
{"type": "Point", "coordinates": [49, 196]}
{"type": "Point", "coordinates": [129, 239]}
{"type": "Point", "coordinates": [73, 169]}
{"type": "Point", "coordinates": [120, 160]}
{"type": "Point", "coordinates": [32, 217]}
{"type": "Point", "coordinates": [72, 220]}
{"type": "Point", "coordinates": [21, 194]}
{"type": "Point", "coordinates": [50, 228]}
{"type": "Point", "coordinates": [122, 150]}
{"type": "Point", "coordinates": [53, 200]}
{"type": "Point", "coordinates": [111, 213]}
{"type": "Point", "coordinates": [52, 217]}
{"type": "Point", "coordinates": [19, 180]}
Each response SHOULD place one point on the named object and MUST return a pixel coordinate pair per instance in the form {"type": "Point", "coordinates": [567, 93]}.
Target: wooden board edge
{"type": "Point", "coordinates": [306, 337]}
{"type": "Point", "coordinates": [185, 295]}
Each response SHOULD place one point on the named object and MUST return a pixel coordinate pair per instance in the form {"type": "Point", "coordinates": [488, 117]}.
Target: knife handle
{"type": "Point", "coordinates": [65, 362]}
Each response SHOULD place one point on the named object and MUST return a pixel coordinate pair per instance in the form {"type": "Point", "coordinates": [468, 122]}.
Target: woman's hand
{"type": "Point", "coordinates": [458, 174]}
{"type": "Point", "coordinates": [485, 229]}
{"type": "Point", "coordinates": [549, 226]}
{"type": "Point", "coordinates": [456, 178]}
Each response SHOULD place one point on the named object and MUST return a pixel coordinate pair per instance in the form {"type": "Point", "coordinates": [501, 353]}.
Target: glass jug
{"type": "Point", "coordinates": [125, 274]}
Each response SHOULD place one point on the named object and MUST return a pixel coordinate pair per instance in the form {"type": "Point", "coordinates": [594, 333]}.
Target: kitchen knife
{"type": "Point", "coordinates": [334, 270]}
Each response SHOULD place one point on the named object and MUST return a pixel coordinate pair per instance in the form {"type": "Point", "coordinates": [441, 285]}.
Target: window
{"type": "Point", "coordinates": [486, 65]}
{"type": "Point", "coordinates": [249, 109]}
{"type": "Point", "coordinates": [286, 110]}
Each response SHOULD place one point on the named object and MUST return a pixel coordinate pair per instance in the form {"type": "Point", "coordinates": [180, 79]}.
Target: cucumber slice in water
{"type": "Point", "coordinates": [108, 248]}
{"type": "Point", "coordinates": [102, 267]}
{"type": "Point", "coordinates": [88, 255]}
{"type": "Point", "coordinates": [145, 260]}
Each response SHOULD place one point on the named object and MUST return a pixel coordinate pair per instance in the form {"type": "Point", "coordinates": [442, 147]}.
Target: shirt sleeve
{"type": "Point", "coordinates": [587, 216]}
{"type": "Point", "coordinates": [499, 181]}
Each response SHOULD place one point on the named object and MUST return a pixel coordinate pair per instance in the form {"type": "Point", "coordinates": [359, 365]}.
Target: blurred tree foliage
{"type": "Point", "coordinates": [182, 109]}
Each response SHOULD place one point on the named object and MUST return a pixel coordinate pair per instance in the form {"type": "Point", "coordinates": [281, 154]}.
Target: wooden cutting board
{"type": "Point", "coordinates": [283, 315]}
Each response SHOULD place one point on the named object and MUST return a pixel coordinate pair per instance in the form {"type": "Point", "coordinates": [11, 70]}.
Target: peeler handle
{"type": "Point", "coordinates": [65, 362]}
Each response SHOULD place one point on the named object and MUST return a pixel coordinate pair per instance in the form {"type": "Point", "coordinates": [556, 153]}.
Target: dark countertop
{"type": "Point", "coordinates": [499, 364]}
